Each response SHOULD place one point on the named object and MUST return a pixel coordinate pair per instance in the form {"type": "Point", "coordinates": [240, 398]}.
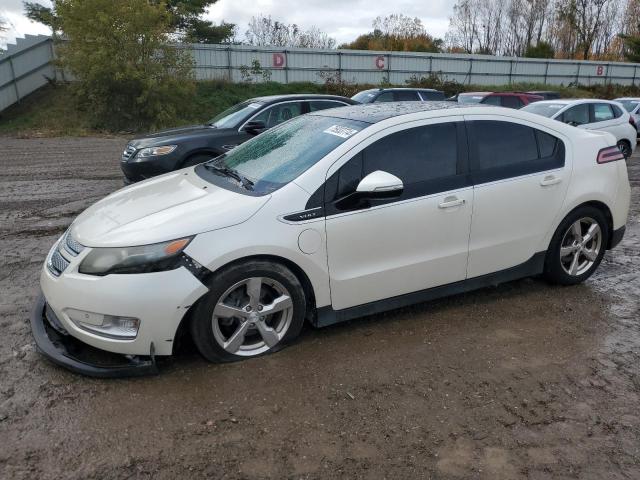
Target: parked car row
{"type": "Point", "coordinates": [328, 216]}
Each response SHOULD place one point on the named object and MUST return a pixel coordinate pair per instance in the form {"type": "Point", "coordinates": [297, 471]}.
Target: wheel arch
{"type": "Point", "coordinates": [182, 330]}
{"type": "Point", "coordinates": [198, 151]}
{"type": "Point", "coordinates": [603, 207]}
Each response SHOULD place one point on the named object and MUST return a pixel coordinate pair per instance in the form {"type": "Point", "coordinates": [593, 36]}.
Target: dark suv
{"type": "Point", "coordinates": [169, 150]}
{"type": "Point", "coordinates": [500, 99]}
{"type": "Point", "coordinates": [398, 95]}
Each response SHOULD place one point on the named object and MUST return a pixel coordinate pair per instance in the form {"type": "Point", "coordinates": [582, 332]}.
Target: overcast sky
{"type": "Point", "coordinates": [341, 19]}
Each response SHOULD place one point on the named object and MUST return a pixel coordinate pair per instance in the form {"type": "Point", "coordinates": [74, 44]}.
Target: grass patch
{"type": "Point", "coordinates": [52, 110]}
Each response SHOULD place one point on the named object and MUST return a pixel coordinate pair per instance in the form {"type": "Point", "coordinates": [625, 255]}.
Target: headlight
{"type": "Point", "coordinates": [156, 151]}
{"type": "Point", "coordinates": [157, 257]}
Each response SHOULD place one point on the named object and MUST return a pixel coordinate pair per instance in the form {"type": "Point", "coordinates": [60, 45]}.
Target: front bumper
{"type": "Point", "coordinates": [54, 342]}
{"type": "Point", "coordinates": [136, 170]}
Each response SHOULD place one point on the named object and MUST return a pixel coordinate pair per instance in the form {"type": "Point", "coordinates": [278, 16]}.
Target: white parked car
{"type": "Point", "coordinates": [332, 215]}
{"type": "Point", "coordinates": [590, 114]}
{"type": "Point", "coordinates": [631, 105]}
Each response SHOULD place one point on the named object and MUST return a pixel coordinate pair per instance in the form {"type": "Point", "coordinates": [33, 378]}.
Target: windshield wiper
{"type": "Point", "coordinates": [230, 172]}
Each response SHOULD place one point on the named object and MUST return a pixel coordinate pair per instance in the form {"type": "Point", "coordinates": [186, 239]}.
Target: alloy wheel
{"type": "Point", "coordinates": [580, 246]}
{"type": "Point", "coordinates": [252, 316]}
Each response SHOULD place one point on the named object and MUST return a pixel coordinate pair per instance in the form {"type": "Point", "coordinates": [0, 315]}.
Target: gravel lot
{"type": "Point", "coordinates": [521, 381]}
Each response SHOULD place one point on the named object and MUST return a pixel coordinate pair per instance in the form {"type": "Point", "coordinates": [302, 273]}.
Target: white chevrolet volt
{"type": "Point", "coordinates": [329, 216]}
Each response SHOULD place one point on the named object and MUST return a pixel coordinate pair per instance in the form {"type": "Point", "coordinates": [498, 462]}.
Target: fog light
{"type": "Point", "coordinates": [110, 326]}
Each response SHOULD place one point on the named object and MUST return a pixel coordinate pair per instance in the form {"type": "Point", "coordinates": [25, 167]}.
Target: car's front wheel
{"type": "Point", "coordinates": [577, 247]}
{"type": "Point", "coordinates": [252, 308]}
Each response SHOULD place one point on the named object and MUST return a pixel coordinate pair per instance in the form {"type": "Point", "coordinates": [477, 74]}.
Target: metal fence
{"type": "Point", "coordinates": [24, 67]}
{"type": "Point", "coordinates": [370, 67]}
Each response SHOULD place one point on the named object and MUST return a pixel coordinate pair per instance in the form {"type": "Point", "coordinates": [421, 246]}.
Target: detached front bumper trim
{"type": "Point", "coordinates": [65, 350]}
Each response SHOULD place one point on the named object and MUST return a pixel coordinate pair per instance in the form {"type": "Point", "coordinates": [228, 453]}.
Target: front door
{"type": "Point", "coordinates": [383, 248]}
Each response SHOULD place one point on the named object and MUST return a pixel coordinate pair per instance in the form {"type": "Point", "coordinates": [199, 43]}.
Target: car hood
{"type": "Point", "coordinates": [176, 135]}
{"type": "Point", "coordinates": [167, 207]}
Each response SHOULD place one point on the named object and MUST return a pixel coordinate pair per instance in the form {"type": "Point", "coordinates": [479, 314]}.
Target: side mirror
{"type": "Point", "coordinates": [379, 184]}
{"type": "Point", "coordinates": [254, 128]}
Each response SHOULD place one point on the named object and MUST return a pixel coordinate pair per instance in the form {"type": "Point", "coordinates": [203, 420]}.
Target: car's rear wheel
{"type": "Point", "coordinates": [577, 247]}
{"type": "Point", "coordinates": [252, 308]}
{"type": "Point", "coordinates": [625, 148]}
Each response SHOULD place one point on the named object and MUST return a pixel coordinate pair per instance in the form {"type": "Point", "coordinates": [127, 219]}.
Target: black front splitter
{"type": "Point", "coordinates": [68, 352]}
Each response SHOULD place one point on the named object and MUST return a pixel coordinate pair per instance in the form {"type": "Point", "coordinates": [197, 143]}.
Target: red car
{"type": "Point", "coordinates": [501, 99]}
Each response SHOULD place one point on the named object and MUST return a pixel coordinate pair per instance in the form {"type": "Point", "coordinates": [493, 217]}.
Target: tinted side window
{"type": "Point", "coordinates": [505, 149]}
{"type": "Point", "coordinates": [316, 105]}
{"type": "Point", "coordinates": [279, 113]}
{"type": "Point", "coordinates": [416, 154]}
{"type": "Point", "coordinates": [511, 102]}
{"type": "Point", "coordinates": [426, 159]}
{"type": "Point", "coordinates": [427, 95]}
{"type": "Point", "coordinates": [602, 112]}
{"type": "Point", "coordinates": [578, 115]}
{"type": "Point", "coordinates": [405, 96]}
{"type": "Point", "coordinates": [504, 143]}
{"type": "Point", "coordinates": [385, 97]}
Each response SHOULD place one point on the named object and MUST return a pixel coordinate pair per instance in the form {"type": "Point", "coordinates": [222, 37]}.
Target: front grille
{"type": "Point", "coordinates": [72, 246]}
{"type": "Point", "coordinates": [128, 153]}
{"type": "Point", "coordinates": [57, 263]}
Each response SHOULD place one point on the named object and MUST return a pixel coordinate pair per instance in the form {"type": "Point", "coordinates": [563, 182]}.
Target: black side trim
{"type": "Point", "coordinates": [308, 214]}
{"type": "Point", "coordinates": [534, 266]}
{"type": "Point", "coordinates": [616, 236]}
{"type": "Point", "coordinates": [66, 350]}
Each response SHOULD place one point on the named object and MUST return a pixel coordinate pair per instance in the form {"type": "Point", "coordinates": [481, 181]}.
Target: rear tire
{"type": "Point", "coordinates": [625, 148]}
{"type": "Point", "coordinates": [577, 246]}
{"type": "Point", "coordinates": [252, 308]}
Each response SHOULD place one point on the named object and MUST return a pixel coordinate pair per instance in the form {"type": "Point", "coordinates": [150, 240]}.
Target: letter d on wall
{"type": "Point", "coordinates": [380, 62]}
{"type": "Point", "coordinates": [279, 60]}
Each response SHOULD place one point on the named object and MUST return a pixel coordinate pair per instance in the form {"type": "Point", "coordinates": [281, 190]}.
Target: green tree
{"type": "Point", "coordinates": [127, 75]}
{"type": "Point", "coordinates": [184, 18]}
{"type": "Point", "coordinates": [540, 50]}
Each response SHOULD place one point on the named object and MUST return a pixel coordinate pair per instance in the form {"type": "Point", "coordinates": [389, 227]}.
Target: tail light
{"type": "Point", "coordinates": [609, 154]}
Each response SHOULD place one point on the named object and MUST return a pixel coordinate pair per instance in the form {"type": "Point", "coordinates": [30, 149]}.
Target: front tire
{"type": "Point", "coordinates": [252, 308]}
{"type": "Point", "coordinates": [577, 247]}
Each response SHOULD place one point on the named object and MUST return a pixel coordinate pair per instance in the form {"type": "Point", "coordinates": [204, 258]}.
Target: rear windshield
{"type": "Point", "coordinates": [544, 109]}
{"type": "Point", "coordinates": [470, 98]}
{"type": "Point", "coordinates": [366, 96]}
{"type": "Point", "coordinates": [271, 160]}
{"type": "Point", "coordinates": [629, 105]}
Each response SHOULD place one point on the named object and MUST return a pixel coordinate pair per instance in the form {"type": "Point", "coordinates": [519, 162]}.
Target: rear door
{"type": "Point", "coordinates": [520, 178]}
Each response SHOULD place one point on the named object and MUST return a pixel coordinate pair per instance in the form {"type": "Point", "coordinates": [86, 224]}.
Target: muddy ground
{"type": "Point", "coordinates": [525, 380]}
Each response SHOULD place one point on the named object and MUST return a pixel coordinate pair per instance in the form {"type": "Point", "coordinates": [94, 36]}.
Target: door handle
{"type": "Point", "coordinates": [550, 180]}
{"type": "Point", "coordinates": [450, 202]}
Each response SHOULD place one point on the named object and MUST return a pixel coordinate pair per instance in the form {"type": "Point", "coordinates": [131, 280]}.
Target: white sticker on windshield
{"type": "Point", "coordinates": [342, 132]}
{"type": "Point", "coordinates": [254, 105]}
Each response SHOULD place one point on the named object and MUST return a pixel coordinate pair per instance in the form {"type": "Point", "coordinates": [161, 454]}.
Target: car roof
{"type": "Point", "coordinates": [626, 98]}
{"type": "Point", "coordinates": [267, 99]}
{"type": "Point", "coordinates": [574, 101]}
{"type": "Point", "coordinates": [504, 94]}
{"type": "Point", "coordinates": [376, 112]}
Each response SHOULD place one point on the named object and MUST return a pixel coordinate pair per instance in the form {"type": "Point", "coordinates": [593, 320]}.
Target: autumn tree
{"type": "Point", "coordinates": [396, 32]}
